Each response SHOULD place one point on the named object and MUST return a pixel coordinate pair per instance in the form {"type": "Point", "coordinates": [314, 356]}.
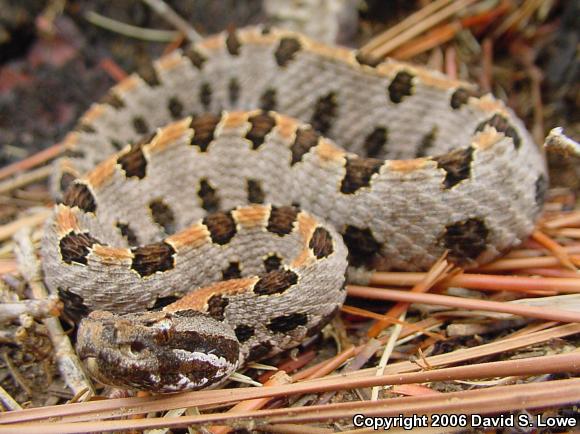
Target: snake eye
{"type": "Point", "coordinates": [134, 348]}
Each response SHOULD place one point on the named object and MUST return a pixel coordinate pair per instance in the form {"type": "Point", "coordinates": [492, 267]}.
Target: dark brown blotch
{"type": "Point", "coordinates": [133, 162]}
{"type": "Point", "coordinates": [150, 76]}
{"type": "Point", "coordinates": [260, 351]}
{"type": "Point", "coordinates": [204, 129]}
{"type": "Point", "coordinates": [128, 233]}
{"type": "Point", "coordinates": [287, 323]}
{"type": "Point", "coordinates": [232, 271]}
{"type": "Point", "coordinates": [206, 342]}
{"type": "Point", "coordinates": [275, 282]}
{"type": "Point", "coordinates": [255, 191]}
{"type": "Point", "coordinates": [216, 306]}
{"type": "Point", "coordinates": [75, 247]}
{"type": "Point", "coordinates": [153, 258]}
{"type": "Point", "coordinates": [261, 125]}
{"type": "Point", "coordinates": [466, 240]}
{"type": "Point", "coordinates": [74, 305]}
{"type": "Point", "coordinates": [325, 112]}
{"type": "Point", "coordinates": [426, 143]}
{"type": "Point", "coordinates": [175, 107]}
{"type": "Point", "coordinates": [314, 330]}
{"type": "Point", "coordinates": [321, 243]}
{"type": "Point", "coordinates": [461, 97]}
{"type": "Point", "coordinates": [163, 215]}
{"type": "Point", "coordinates": [83, 127]}
{"type": "Point", "coordinates": [114, 100]}
{"type": "Point", "coordinates": [233, 43]}
{"type": "Point", "coordinates": [282, 220]}
{"type": "Point", "coordinates": [456, 164]}
{"type": "Point", "coordinates": [118, 145]}
{"type": "Point", "coordinates": [210, 200]}
{"type": "Point", "coordinates": [197, 59]}
{"type": "Point", "coordinates": [66, 180]}
{"type": "Point", "coordinates": [305, 139]}
{"type": "Point", "coordinates": [79, 194]}
{"type": "Point", "coordinates": [221, 226]}
{"type": "Point", "coordinates": [286, 51]}
{"type": "Point", "coordinates": [358, 173]}
{"type": "Point", "coordinates": [401, 86]}
{"type": "Point", "coordinates": [541, 185]}
{"type": "Point", "coordinates": [205, 94]}
{"type": "Point", "coordinates": [233, 91]}
{"type": "Point", "coordinates": [75, 153]}
{"type": "Point", "coordinates": [502, 125]}
{"type": "Point", "coordinates": [244, 332]}
{"type": "Point", "coordinates": [268, 100]}
{"type": "Point", "coordinates": [140, 125]}
{"type": "Point", "coordinates": [161, 302]}
{"type": "Point", "coordinates": [362, 245]}
{"type": "Point", "coordinates": [375, 142]}
{"type": "Point", "coordinates": [272, 263]}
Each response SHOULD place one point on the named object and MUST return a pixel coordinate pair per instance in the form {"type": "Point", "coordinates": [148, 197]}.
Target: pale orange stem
{"type": "Point", "coordinates": [485, 282]}
{"type": "Point", "coordinates": [556, 249]}
{"type": "Point", "coordinates": [464, 303]}
{"type": "Point", "coordinates": [438, 271]}
{"type": "Point", "coordinates": [32, 161]}
{"type": "Point", "coordinates": [278, 379]}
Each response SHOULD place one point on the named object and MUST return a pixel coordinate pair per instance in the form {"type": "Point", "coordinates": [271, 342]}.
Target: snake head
{"type": "Point", "coordinates": [157, 351]}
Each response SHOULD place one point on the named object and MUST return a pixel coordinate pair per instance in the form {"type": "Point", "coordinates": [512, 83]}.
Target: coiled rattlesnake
{"type": "Point", "coordinates": [428, 166]}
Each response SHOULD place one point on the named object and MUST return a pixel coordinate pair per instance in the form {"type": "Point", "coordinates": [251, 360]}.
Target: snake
{"type": "Point", "coordinates": [210, 210]}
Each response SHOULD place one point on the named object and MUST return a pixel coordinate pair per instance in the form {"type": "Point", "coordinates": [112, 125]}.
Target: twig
{"type": "Point", "coordinates": [8, 402]}
{"type": "Point", "coordinates": [451, 61]}
{"type": "Point", "coordinates": [438, 271]}
{"type": "Point", "coordinates": [407, 23]}
{"type": "Point", "coordinates": [423, 25]}
{"type": "Point", "coordinates": [39, 309]}
{"type": "Point", "coordinates": [560, 143]}
{"type": "Point", "coordinates": [568, 232]}
{"type": "Point", "coordinates": [485, 282]}
{"type": "Point", "coordinates": [7, 266]}
{"type": "Point", "coordinates": [569, 219]}
{"type": "Point", "coordinates": [288, 366]}
{"type": "Point", "coordinates": [8, 230]}
{"type": "Point", "coordinates": [463, 303]}
{"type": "Point", "coordinates": [509, 264]}
{"type": "Point", "coordinates": [363, 355]}
{"type": "Point", "coordinates": [126, 406]}
{"type": "Point", "coordinates": [173, 18]}
{"type": "Point", "coordinates": [16, 374]}
{"type": "Point", "coordinates": [397, 328]}
{"type": "Point", "coordinates": [32, 161]}
{"type": "Point", "coordinates": [277, 379]}
{"type": "Point", "coordinates": [25, 179]}
{"type": "Point", "coordinates": [556, 249]}
{"type": "Point", "coordinates": [434, 38]}
{"type": "Point", "coordinates": [244, 379]}
{"type": "Point", "coordinates": [519, 14]}
{"type": "Point", "coordinates": [124, 29]}
{"type": "Point", "coordinates": [114, 70]}
{"type": "Point", "coordinates": [68, 362]}
{"type": "Point", "coordinates": [486, 77]}
{"type": "Point", "coordinates": [485, 401]}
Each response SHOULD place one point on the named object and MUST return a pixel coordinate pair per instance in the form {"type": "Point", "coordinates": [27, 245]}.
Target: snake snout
{"type": "Point", "coordinates": [157, 351]}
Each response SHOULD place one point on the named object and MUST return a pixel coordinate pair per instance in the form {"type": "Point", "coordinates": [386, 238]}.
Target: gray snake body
{"type": "Point", "coordinates": [425, 166]}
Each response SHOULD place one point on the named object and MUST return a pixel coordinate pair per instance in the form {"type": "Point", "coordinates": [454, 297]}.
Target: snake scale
{"type": "Point", "coordinates": [199, 212]}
